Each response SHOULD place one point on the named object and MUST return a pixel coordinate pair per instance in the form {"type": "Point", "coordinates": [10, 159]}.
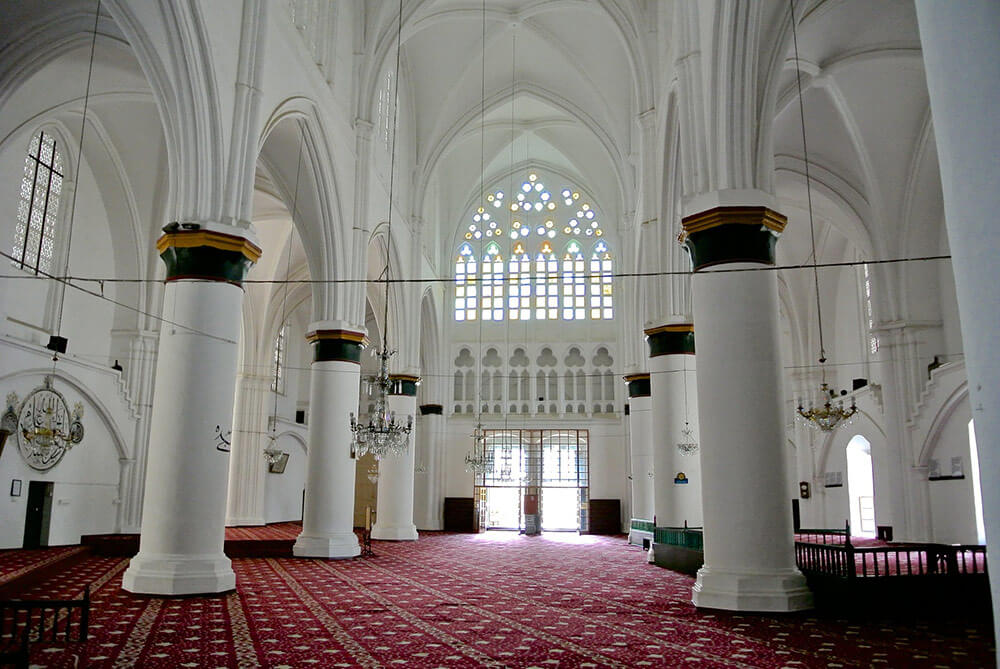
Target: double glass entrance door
{"type": "Point", "coordinates": [543, 472]}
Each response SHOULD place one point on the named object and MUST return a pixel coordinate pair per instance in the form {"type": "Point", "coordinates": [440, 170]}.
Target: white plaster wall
{"type": "Point", "coordinates": [953, 518]}
{"type": "Point", "coordinates": [86, 493]}
{"type": "Point", "coordinates": [283, 492]}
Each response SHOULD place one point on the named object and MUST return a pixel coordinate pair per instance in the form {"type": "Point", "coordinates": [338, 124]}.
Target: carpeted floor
{"type": "Point", "coordinates": [496, 599]}
{"type": "Point", "coordinates": [290, 530]}
{"type": "Point", "coordinates": [16, 562]}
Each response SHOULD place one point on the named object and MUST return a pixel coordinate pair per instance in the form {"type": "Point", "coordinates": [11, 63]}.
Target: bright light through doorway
{"type": "Point", "coordinates": [560, 509]}
{"type": "Point", "coordinates": [861, 487]}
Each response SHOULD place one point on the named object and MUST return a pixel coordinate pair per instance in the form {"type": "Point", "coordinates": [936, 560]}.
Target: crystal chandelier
{"type": "Point", "coordinates": [828, 416]}
{"type": "Point", "coordinates": [382, 436]}
{"type": "Point", "coordinates": [688, 445]}
{"type": "Point", "coordinates": [479, 460]}
{"type": "Point", "coordinates": [272, 454]}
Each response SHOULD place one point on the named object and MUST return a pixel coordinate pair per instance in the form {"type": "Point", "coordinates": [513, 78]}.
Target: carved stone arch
{"type": "Point", "coordinates": [378, 244]}
{"type": "Point", "coordinates": [294, 150]}
{"type": "Point", "coordinates": [534, 92]}
{"type": "Point", "coordinates": [955, 400]}
{"type": "Point", "coordinates": [865, 425]}
{"type": "Point", "coordinates": [294, 436]}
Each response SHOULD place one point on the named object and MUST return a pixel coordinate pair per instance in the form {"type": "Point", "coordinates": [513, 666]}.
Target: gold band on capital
{"type": "Point", "coordinates": [207, 255]}
{"type": "Point", "coordinates": [674, 339]}
{"type": "Point", "coordinates": [404, 384]}
{"type": "Point", "coordinates": [732, 234]}
{"type": "Point", "coordinates": [336, 345]}
{"type": "Point", "coordinates": [638, 385]}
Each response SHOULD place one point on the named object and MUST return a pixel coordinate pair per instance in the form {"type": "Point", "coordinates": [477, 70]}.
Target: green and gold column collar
{"type": "Point", "coordinates": [732, 234]}
{"type": "Point", "coordinates": [404, 384]}
{"type": "Point", "coordinates": [672, 339]}
{"type": "Point", "coordinates": [207, 251]}
{"type": "Point", "coordinates": [336, 344]}
{"type": "Point", "coordinates": [638, 385]}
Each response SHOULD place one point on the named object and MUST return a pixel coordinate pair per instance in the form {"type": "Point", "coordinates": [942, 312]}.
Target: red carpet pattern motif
{"type": "Point", "coordinates": [271, 532]}
{"type": "Point", "coordinates": [476, 600]}
{"type": "Point", "coordinates": [15, 563]}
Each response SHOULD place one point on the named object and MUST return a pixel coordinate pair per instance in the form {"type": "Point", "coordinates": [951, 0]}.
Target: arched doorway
{"type": "Point", "coordinates": [860, 486]}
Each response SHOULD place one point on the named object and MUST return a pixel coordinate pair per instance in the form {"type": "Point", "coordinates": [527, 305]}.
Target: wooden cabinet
{"type": "Point", "coordinates": [459, 514]}
{"type": "Point", "coordinates": [605, 516]}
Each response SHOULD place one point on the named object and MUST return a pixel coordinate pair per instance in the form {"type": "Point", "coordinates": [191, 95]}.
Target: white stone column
{"type": "Point", "coordinates": [394, 504]}
{"type": "Point", "coordinates": [429, 485]}
{"type": "Point", "coordinates": [962, 58]}
{"type": "Point", "coordinates": [641, 455]}
{"type": "Point", "coordinates": [184, 507]}
{"type": "Point", "coordinates": [749, 552]}
{"type": "Point", "coordinates": [335, 378]}
{"type": "Point", "coordinates": [672, 375]}
{"type": "Point", "coordinates": [247, 466]}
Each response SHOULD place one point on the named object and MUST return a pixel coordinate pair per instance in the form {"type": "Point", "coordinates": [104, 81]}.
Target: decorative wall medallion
{"type": "Point", "coordinates": [46, 429]}
{"type": "Point", "coordinates": [681, 478]}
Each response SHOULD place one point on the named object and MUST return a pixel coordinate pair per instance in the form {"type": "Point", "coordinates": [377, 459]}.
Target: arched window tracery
{"type": "Point", "coordinates": [543, 283]}
{"type": "Point", "coordinates": [37, 211]}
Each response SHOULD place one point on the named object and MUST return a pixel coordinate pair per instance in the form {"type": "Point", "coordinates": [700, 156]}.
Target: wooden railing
{"type": "Point", "coordinates": [822, 536]}
{"type": "Point", "coordinates": [846, 561]}
{"type": "Point", "coordinates": [27, 621]}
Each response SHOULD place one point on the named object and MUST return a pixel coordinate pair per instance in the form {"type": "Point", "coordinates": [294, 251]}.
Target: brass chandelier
{"type": "Point", "coordinates": [828, 416]}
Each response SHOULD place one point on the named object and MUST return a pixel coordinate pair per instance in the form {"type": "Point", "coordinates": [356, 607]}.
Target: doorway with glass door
{"type": "Point", "coordinates": [537, 476]}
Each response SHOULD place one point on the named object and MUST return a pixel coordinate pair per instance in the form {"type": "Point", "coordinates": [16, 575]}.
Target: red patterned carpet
{"type": "Point", "coordinates": [275, 531]}
{"type": "Point", "coordinates": [468, 600]}
{"type": "Point", "coordinates": [15, 563]}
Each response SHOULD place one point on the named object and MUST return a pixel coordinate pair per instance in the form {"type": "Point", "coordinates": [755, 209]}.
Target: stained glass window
{"type": "Point", "coordinates": [466, 284]}
{"type": "Point", "coordinates": [600, 282]}
{"type": "Point", "coordinates": [542, 283]}
{"type": "Point", "coordinates": [492, 288]}
{"type": "Point", "coordinates": [38, 207]}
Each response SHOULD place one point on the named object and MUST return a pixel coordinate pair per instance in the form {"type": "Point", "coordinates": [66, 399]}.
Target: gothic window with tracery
{"type": "Point", "coordinates": [38, 208]}
{"type": "Point", "coordinates": [493, 280]}
{"type": "Point", "coordinates": [466, 284]}
{"type": "Point", "coordinates": [543, 283]}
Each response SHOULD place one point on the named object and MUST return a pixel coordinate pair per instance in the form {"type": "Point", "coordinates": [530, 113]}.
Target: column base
{"type": "Point", "coordinates": [172, 574]}
{"type": "Point", "coordinates": [635, 537]}
{"type": "Point", "coordinates": [779, 590]}
{"type": "Point", "coordinates": [388, 533]}
{"type": "Point", "coordinates": [335, 546]}
{"type": "Point", "coordinates": [244, 522]}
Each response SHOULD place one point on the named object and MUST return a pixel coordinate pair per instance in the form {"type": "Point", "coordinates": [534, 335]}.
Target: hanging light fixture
{"type": "Point", "coordinates": [272, 454]}
{"type": "Point", "coordinates": [688, 445]}
{"type": "Point", "coordinates": [382, 436]}
{"type": "Point", "coordinates": [827, 416]}
{"type": "Point", "coordinates": [478, 460]}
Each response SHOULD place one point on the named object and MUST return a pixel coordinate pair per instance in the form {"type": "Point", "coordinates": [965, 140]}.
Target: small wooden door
{"type": "Point", "coordinates": [38, 514]}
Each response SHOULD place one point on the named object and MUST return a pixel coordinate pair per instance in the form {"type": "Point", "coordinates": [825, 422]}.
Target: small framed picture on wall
{"type": "Point", "coordinates": [15, 488]}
